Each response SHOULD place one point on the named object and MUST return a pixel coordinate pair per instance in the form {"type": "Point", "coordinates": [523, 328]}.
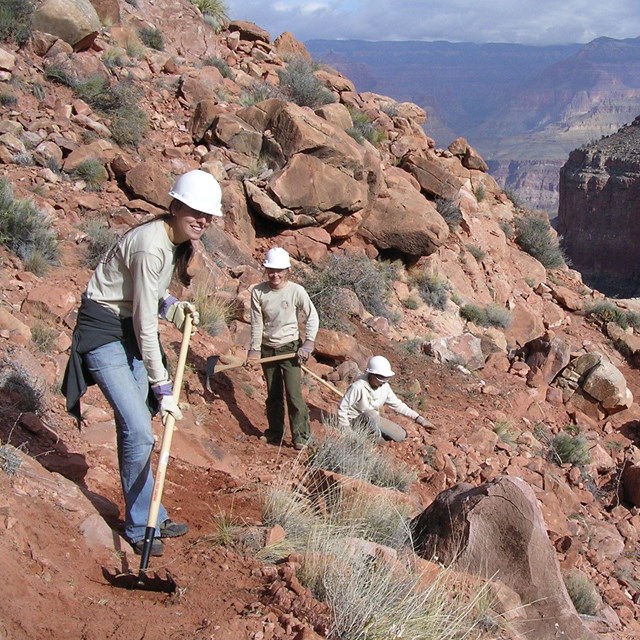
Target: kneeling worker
{"type": "Point", "coordinates": [367, 394]}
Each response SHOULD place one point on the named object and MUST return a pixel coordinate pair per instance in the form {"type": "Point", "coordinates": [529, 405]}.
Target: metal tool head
{"type": "Point", "coordinates": [141, 580]}
{"type": "Point", "coordinates": [212, 361]}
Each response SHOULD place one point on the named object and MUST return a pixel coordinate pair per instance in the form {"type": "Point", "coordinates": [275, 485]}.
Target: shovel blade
{"type": "Point", "coordinates": [143, 581]}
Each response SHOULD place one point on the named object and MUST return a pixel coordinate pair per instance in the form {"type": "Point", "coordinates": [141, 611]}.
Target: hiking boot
{"type": "Point", "coordinates": [271, 438]}
{"type": "Point", "coordinates": [171, 529]}
{"type": "Point", "coordinates": [157, 547]}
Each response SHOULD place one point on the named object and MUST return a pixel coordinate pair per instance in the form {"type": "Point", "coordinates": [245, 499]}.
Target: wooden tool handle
{"type": "Point", "coordinates": [235, 365]}
{"type": "Point", "coordinates": [322, 381]}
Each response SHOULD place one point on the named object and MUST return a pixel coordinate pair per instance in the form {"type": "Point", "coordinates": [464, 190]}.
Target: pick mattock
{"type": "Point", "coordinates": [213, 367]}
{"type": "Point", "coordinates": [143, 580]}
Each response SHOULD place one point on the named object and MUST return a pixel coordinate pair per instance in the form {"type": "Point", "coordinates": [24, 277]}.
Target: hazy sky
{"type": "Point", "coordinates": [521, 21]}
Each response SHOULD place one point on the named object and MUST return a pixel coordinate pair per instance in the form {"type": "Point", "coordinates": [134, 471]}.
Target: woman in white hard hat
{"type": "Point", "coordinates": [367, 394]}
{"type": "Point", "coordinates": [116, 343]}
{"type": "Point", "coordinates": [275, 305]}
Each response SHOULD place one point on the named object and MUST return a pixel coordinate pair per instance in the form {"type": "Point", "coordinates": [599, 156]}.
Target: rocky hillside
{"type": "Point", "coordinates": [598, 211]}
{"type": "Point", "coordinates": [524, 108]}
{"type": "Point", "coordinates": [530, 478]}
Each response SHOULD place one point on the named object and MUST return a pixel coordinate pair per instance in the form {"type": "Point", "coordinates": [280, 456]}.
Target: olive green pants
{"type": "Point", "coordinates": [284, 381]}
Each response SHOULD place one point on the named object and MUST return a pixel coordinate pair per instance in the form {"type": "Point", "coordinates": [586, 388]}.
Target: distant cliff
{"type": "Point", "coordinates": [523, 108]}
{"type": "Point", "coordinates": [599, 211]}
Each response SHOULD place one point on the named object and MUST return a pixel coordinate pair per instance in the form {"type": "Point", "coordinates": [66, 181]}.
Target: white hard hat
{"type": "Point", "coordinates": [200, 191]}
{"type": "Point", "coordinates": [379, 366]}
{"type": "Point", "coordinates": [276, 258]}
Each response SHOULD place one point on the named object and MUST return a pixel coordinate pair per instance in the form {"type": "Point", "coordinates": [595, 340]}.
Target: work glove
{"type": "Point", "coordinates": [305, 351]}
{"type": "Point", "coordinates": [176, 312]}
{"type": "Point", "coordinates": [252, 359]}
{"type": "Point", "coordinates": [168, 405]}
{"type": "Point", "coordinates": [423, 422]}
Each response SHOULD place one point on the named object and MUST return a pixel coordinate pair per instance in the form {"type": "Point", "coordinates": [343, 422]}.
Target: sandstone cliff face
{"type": "Point", "coordinates": [598, 211]}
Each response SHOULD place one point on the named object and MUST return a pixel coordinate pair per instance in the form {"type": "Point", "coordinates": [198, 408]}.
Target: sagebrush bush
{"type": "Point", "coordinates": [152, 37]}
{"type": "Point", "coordinates": [450, 211]}
{"type": "Point", "coordinates": [92, 172]}
{"type": "Point", "coordinates": [10, 460]}
{"type": "Point", "coordinates": [363, 128]}
{"type": "Point", "coordinates": [216, 311]}
{"type": "Point", "coordinates": [43, 337]}
{"type": "Point", "coordinates": [220, 64]}
{"type": "Point", "coordinates": [352, 452]}
{"type": "Point", "coordinates": [22, 389]}
{"type": "Point", "coordinates": [8, 99]}
{"type": "Point", "coordinates": [368, 597]}
{"type": "Point", "coordinates": [493, 315]}
{"type": "Point", "coordinates": [259, 91]}
{"type": "Point", "coordinates": [15, 20]}
{"type": "Point", "coordinates": [478, 253]}
{"type": "Point", "coordinates": [100, 239]}
{"type": "Point", "coordinates": [567, 449]}
{"type": "Point", "coordinates": [606, 311]}
{"type": "Point", "coordinates": [25, 230]}
{"type": "Point", "coordinates": [533, 235]}
{"type": "Point", "coordinates": [118, 101]}
{"type": "Point", "coordinates": [300, 85]}
{"type": "Point", "coordinates": [214, 12]}
{"type": "Point", "coordinates": [473, 313]}
{"type": "Point", "coordinates": [369, 280]}
{"type": "Point", "coordinates": [432, 289]}
{"type": "Point", "coordinates": [582, 593]}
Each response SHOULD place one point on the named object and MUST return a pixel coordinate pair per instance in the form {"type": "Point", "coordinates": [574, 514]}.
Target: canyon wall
{"type": "Point", "coordinates": [599, 211]}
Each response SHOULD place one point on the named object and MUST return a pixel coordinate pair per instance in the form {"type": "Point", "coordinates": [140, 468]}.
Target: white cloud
{"type": "Point", "coordinates": [521, 21]}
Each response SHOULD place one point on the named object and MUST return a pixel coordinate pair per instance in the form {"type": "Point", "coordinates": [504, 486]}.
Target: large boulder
{"type": "Point", "coordinates": [74, 21]}
{"type": "Point", "coordinates": [404, 220]}
{"type": "Point", "coordinates": [497, 531]}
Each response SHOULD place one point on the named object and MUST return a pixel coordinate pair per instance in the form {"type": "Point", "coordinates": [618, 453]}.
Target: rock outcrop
{"type": "Point", "coordinates": [598, 213]}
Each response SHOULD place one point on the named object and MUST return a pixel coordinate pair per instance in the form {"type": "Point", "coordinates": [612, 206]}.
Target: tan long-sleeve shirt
{"type": "Point", "coordinates": [274, 315]}
{"type": "Point", "coordinates": [133, 282]}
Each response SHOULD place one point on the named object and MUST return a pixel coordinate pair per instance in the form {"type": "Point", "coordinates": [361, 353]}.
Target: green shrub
{"type": "Point", "coordinates": [480, 192]}
{"type": "Point", "coordinates": [43, 337]}
{"type": "Point", "coordinates": [473, 313]}
{"type": "Point", "coordinates": [119, 102]}
{"type": "Point", "coordinates": [15, 20]}
{"type": "Point", "coordinates": [92, 172]}
{"type": "Point", "coordinates": [216, 311]}
{"type": "Point", "coordinates": [21, 388]}
{"type": "Point", "coordinates": [8, 99]}
{"type": "Point", "coordinates": [567, 449]}
{"type": "Point", "coordinates": [450, 211]}
{"type": "Point", "coordinates": [582, 593]}
{"type": "Point", "coordinates": [220, 64]}
{"type": "Point", "coordinates": [432, 289]}
{"type": "Point", "coordinates": [114, 57]}
{"type": "Point", "coordinates": [259, 91]}
{"type": "Point", "coordinates": [369, 280]}
{"type": "Point", "coordinates": [497, 316]}
{"type": "Point", "coordinates": [300, 85]}
{"type": "Point", "coordinates": [504, 430]}
{"type": "Point", "coordinates": [606, 311]}
{"type": "Point", "coordinates": [100, 240]}
{"type": "Point", "coordinates": [411, 303]}
{"type": "Point", "coordinates": [152, 37]}
{"type": "Point", "coordinates": [363, 128]}
{"type": "Point", "coordinates": [493, 315]}
{"type": "Point", "coordinates": [214, 12]}
{"type": "Point", "coordinates": [533, 235]}
{"type": "Point", "coordinates": [353, 453]}
{"type": "Point", "coordinates": [507, 229]}
{"type": "Point", "coordinates": [24, 229]}
{"type": "Point", "coordinates": [10, 460]}
{"type": "Point", "coordinates": [478, 253]}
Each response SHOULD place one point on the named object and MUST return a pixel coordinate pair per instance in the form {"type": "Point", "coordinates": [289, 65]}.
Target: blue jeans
{"type": "Point", "coordinates": [123, 380]}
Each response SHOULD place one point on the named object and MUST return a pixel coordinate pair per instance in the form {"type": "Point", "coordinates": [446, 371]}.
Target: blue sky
{"type": "Point", "coordinates": [538, 22]}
